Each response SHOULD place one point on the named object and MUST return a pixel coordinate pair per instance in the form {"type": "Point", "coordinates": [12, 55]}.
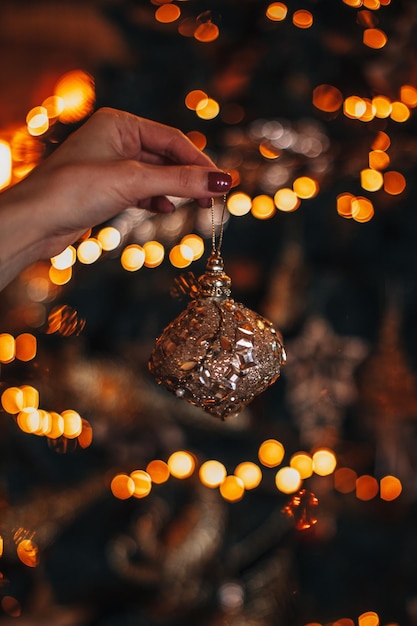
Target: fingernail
{"type": "Point", "coordinates": [219, 181]}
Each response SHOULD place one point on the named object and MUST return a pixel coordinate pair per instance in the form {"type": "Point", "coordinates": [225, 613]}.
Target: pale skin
{"type": "Point", "coordinates": [114, 161]}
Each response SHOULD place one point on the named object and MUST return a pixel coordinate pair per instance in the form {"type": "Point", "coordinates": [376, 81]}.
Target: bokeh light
{"type": "Point", "coordinates": [286, 200]}
{"type": "Point", "coordinates": [181, 464]}
{"type": "Point", "coordinates": [232, 489]}
{"type": "Point", "coordinates": [370, 618]}
{"type": "Point", "coordinates": [366, 487]}
{"type": "Point", "coordinates": [142, 483]}
{"type": "Point", "coordinates": [65, 259]}
{"type": "Point", "coordinates": [89, 251]}
{"type": "Point", "coordinates": [132, 257]}
{"type": "Point", "coordinates": [390, 488]}
{"type": "Point", "coordinates": [5, 164]}
{"type": "Point", "coordinates": [288, 480]}
{"type": "Point", "coordinates": [394, 183]}
{"type": "Point", "coordinates": [271, 452]}
{"type": "Point", "coordinates": [207, 109]}
{"type": "Point", "coordinates": [276, 11]}
{"type": "Point", "coordinates": [345, 480]}
{"type": "Point", "coordinates": [77, 92]}
{"type": "Point", "coordinates": [158, 471]}
{"type": "Point", "coordinates": [109, 238]}
{"type": "Point", "coordinates": [212, 473]}
{"type": "Point", "coordinates": [249, 473]}
{"type": "Point", "coordinates": [239, 203]}
{"type": "Point", "coordinates": [327, 98]}
{"type": "Point", "coordinates": [154, 253]}
{"type": "Point", "coordinates": [324, 462]}
{"type": "Point", "coordinates": [196, 243]}
{"type": "Point", "coordinates": [302, 18]}
{"type": "Point", "coordinates": [303, 463]}
{"type": "Point", "coordinates": [7, 348]}
{"type": "Point", "coordinates": [122, 486]}
{"type": "Point", "coordinates": [374, 38]}
{"type": "Point", "coordinates": [167, 13]}
{"type": "Point", "coordinates": [263, 207]}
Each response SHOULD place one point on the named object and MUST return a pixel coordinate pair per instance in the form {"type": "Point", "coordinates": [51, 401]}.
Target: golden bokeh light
{"type": "Point", "coordinates": [5, 164]}
{"type": "Point", "coordinates": [29, 420]}
{"type": "Point", "coordinates": [207, 109]}
{"type": "Point", "coordinates": [271, 452]}
{"type": "Point", "coordinates": [286, 200]}
{"type": "Point", "coordinates": [324, 462]}
{"type": "Point", "coordinates": [37, 121]}
{"type": "Point", "coordinates": [370, 618]}
{"type": "Point", "coordinates": [344, 204]}
{"type": "Point", "coordinates": [212, 473]}
{"type": "Point", "coordinates": [72, 423]}
{"type": "Point", "coordinates": [85, 438]}
{"type": "Point", "coordinates": [400, 112]}
{"type": "Point", "coordinates": [206, 32]}
{"type": "Point", "coordinates": [356, 4]}
{"type": "Point", "coordinates": [167, 13]}
{"type": "Point", "coordinates": [303, 463]}
{"type": "Point", "coordinates": [373, 5]}
{"type": "Point", "coordinates": [12, 400]}
{"type": "Point", "coordinates": [276, 11]}
{"type": "Point", "coordinates": [132, 257]}
{"type": "Point", "coordinates": [196, 243]}
{"type": "Point", "coordinates": [30, 397]}
{"type": "Point", "coordinates": [89, 251]}
{"type": "Point", "coordinates": [362, 209]}
{"type": "Point", "coordinates": [269, 151]}
{"type": "Point", "coordinates": [263, 207]}
{"type": "Point", "coordinates": [239, 203]}
{"type": "Point", "coordinates": [371, 180]}
{"type": "Point", "coordinates": [158, 471]}
{"type": "Point", "coordinates": [232, 489]}
{"type": "Point", "coordinates": [390, 488]}
{"type": "Point", "coordinates": [305, 187]}
{"type": "Point", "coordinates": [60, 277]}
{"type": "Point", "coordinates": [288, 480]}
{"type": "Point", "coordinates": [181, 464]}
{"type": "Point", "coordinates": [77, 92]}
{"type": "Point", "coordinates": [122, 486]}
{"type": "Point", "coordinates": [54, 106]}
{"type": "Point", "coordinates": [57, 425]}
{"type": "Point", "coordinates": [408, 95]}
{"type": "Point", "coordinates": [369, 113]}
{"type": "Point", "coordinates": [383, 106]}
{"type": "Point", "coordinates": [394, 183]}
{"type": "Point", "coordinates": [302, 18]}
{"type": "Point", "coordinates": [142, 483]}
{"type": "Point", "coordinates": [366, 487]}
{"type": "Point", "coordinates": [26, 347]}
{"type": "Point", "coordinates": [154, 253]}
{"type": "Point", "coordinates": [374, 38]}
{"type": "Point", "coordinates": [199, 139]}
{"type": "Point", "coordinates": [354, 107]}
{"type": "Point", "coordinates": [181, 255]}
{"type": "Point", "coordinates": [345, 480]}
{"type": "Point", "coordinates": [65, 259]}
{"type": "Point", "coordinates": [249, 473]}
{"type": "Point", "coordinates": [195, 98]}
{"type": "Point", "coordinates": [7, 348]}
{"type": "Point", "coordinates": [378, 159]}
{"type": "Point", "coordinates": [382, 141]}
{"type": "Point", "coordinates": [109, 238]}
{"type": "Point", "coordinates": [327, 98]}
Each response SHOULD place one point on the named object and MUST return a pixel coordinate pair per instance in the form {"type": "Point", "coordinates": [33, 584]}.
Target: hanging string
{"type": "Point", "coordinates": [216, 248]}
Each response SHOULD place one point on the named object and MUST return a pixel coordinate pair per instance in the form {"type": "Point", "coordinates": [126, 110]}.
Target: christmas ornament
{"type": "Point", "coordinates": [302, 508]}
{"type": "Point", "coordinates": [217, 354]}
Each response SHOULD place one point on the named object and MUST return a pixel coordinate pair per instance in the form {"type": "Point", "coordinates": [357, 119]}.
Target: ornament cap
{"type": "Point", "coordinates": [214, 283]}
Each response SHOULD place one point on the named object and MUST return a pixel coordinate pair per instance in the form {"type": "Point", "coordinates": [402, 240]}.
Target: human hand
{"type": "Point", "coordinates": [114, 161]}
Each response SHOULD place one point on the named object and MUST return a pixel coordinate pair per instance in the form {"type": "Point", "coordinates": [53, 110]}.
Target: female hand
{"type": "Point", "coordinates": [114, 161]}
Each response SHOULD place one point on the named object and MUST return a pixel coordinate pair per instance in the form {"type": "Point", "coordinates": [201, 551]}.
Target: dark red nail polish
{"type": "Point", "coordinates": [219, 182]}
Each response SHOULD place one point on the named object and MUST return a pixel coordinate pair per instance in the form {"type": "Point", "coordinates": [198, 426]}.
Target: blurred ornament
{"type": "Point", "coordinates": [302, 508]}
{"type": "Point", "coordinates": [217, 354]}
{"type": "Point", "coordinates": [320, 380]}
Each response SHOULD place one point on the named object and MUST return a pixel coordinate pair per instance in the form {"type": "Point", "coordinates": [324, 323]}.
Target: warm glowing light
{"type": "Point", "coordinates": [132, 257]}
{"type": "Point", "coordinates": [158, 471]}
{"type": "Point", "coordinates": [366, 487]}
{"type": "Point", "coordinates": [344, 204]}
{"type": "Point", "coordinates": [29, 420]}
{"type": "Point", "coordinates": [45, 423]}
{"type": "Point", "coordinates": [122, 486]}
{"type": "Point", "coordinates": [142, 483]}
{"type": "Point", "coordinates": [28, 553]}
{"type": "Point", "coordinates": [167, 13]}
{"type": "Point", "coordinates": [198, 139]}
{"type": "Point", "coordinates": [181, 464]}
{"type": "Point", "coordinates": [206, 32]}
{"type": "Point", "coordinates": [394, 183]}
{"type": "Point", "coordinates": [374, 38]}
{"type": "Point", "coordinates": [303, 463]}
{"type": "Point", "coordinates": [207, 110]}
{"type": "Point", "coordinates": [371, 180]}
{"type": "Point", "coordinates": [72, 424]}
{"type": "Point", "coordinates": [89, 251]}
{"type": "Point", "coordinates": [370, 618]}
{"type": "Point", "coordinates": [276, 11]}
{"type": "Point", "coordinates": [109, 238]}
{"type": "Point", "coordinates": [302, 18]}
{"type": "Point", "coordinates": [239, 203]}
{"type": "Point", "coordinates": [362, 209]}
{"type": "Point", "coordinates": [5, 164]}
{"type": "Point", "coordinates": [400, 112]}
{"type": "Point", "coordinates": [327, 98]}
{"type": "Point", "coordinates": [154, 253]}
{"type": "Point", "coordinates": [381, 141]}
{"type": "Point", "coordinates": [76, 90]}
{"type": "Point", "coordinates": [378, 159]}
{"type": "Point", "coordinates": [345, 480]}
{"type": "Point", "coordinates": [249, 473]}
{"type": "Point", "coordinates": [54, 106]}
{"type": "Point", "coordinates": [269, 151]}
{"type": "Point", "coordinates": [181, 255]}
{"type": "Point", "coordinates": [408, 95]}
{"type": "Point", "coordinates": [7, 348]}
{"type": "Point", "coordinates": [30, 397]}
{"type": "Point", "coordinates": [263, 207]}
{"type": "Point", "coordinates": [37, 121]}
{"type": "Point", "coordinates": [390, 488]}
{"type": "Point", "coordinates": [374, 5]}
{"type": "Point", "coordinates": [57, 425]}
{"type": "Point", "coordinates": [65, 259]}
{"type": "Point", "coordinates": [353, 3]}
{"type": "Point", "coordinates": [232, 489]}
{"type": "Point", "coordinates": [383, 106]}
{"type": "Point", "coordinates": [324, 462]}
{"type": "Point", "coordinates": [60, 277]}
{"type": "Point", "coordinates": [354, 107]}
{"type": "Point", "coordinates": [195, 98]}
{"type": "Point", "coordinates": [196, 243]}
{"type": "Point", "coordinates": [369, 113]}
{"type": "Point", "coordinates": [305, 187]}
{"type": "Point", "coordinates": [26, 346]}
{"type": "Point", "coordinates": [286, 200]}
{"type": "Point", "coordinates": [212, 473]}
{"type": "Point", "coordinates": [288, 480]}
{"type": "Point", "coordinates": [85, 438]}
{"type": "Point", "coordinates": [12, 400]}
{"type": "Point", "coordinates": [271, 452]}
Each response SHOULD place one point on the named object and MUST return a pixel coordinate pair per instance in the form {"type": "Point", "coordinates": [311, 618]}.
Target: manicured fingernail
{"type": "Point", "coordinates": [219, 181]}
